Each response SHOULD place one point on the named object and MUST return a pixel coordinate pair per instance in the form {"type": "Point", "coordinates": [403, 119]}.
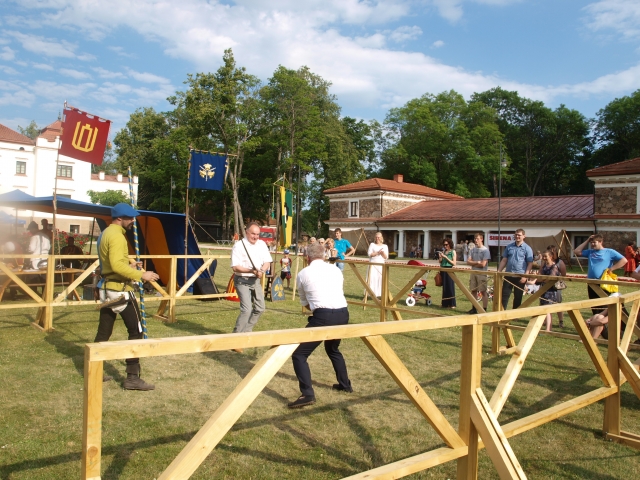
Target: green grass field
{"type": "Point", "coordinates": [342, 434]}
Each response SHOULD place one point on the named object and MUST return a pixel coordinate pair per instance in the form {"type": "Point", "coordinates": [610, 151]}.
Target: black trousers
{"type": "Point", "coordinates": [322, 317]}
{"type": "Point", "coordinates": [131, 318]}
{"type": "Point", "coordinates": [507, 286]}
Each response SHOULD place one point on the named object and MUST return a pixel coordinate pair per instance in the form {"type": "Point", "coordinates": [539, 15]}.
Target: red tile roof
{"type": "Point", "coordinates": [391, 186]}
{"type": "Point", "coordinates": [628, 167]}
{"type": "Point", "coordinates": [50, 132]}
{"type": "Point", "coordinates": [561, 207]}
{"type": "Point", "coordinates": [11, 136]}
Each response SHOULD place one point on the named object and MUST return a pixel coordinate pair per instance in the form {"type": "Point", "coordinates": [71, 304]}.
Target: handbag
{"type": "Point", "coordinates": [438, 279]}
{"type": "Point", "coordinates": [560, 285]}
{"type": "Point", "coordinates": [609, 275]}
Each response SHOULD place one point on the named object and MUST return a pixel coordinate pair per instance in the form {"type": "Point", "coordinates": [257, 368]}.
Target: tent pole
{"type": "Point", "coordinates": [186, 219]}
{"type": "Point", "coordinates": [93, 224]}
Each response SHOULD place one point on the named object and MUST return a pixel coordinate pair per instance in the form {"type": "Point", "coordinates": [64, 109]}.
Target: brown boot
{"type": "Point", "coordinates": [133, 380]}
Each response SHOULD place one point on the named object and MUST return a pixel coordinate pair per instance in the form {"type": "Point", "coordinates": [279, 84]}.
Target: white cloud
{"type": "Point", "coordinates": [437, 44]}
{"type": "Point", "coordinates": [404, 33]}
{"type": "Point", "coordinates": [621, 16]}
{"type": "Point", "coordinates": [78, 75]}
{"type": "Point", "coordinates": [146, 77]}
{"type": "Point", "coordinates": [42, 46]}
{"type": "Point", "coordinates": [43, 66]}
{"type": "Point", "coordinates": [449, 9]}
{"type": "Point", "coordinates": [8, 70]}
{"type": "Point", "coordinates": [377, 40]}
{"type": "Point", "coordinates": [120, 52]}
{"type": "Point", "coordinates": [7, 54]}
{"type": "Point", "coordinates": [103, 73]}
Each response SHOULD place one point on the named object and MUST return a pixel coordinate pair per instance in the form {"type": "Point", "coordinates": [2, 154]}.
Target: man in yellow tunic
{"type": "Point", "coordinates": [117, 273]}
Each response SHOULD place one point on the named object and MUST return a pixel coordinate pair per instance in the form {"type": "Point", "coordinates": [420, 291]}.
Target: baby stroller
{"type": "Point", "coordinates": [417, 293]}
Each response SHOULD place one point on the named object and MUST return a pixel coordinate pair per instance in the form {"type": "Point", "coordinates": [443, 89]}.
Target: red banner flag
{"type": "Point", "coordinates": [84, 136]}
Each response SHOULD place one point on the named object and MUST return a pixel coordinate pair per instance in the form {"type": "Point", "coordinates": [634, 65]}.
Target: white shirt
{"type": "Point", "coordinates": [39, 244]}
{"type": "Point", "coordinates": [320, 286]}
{"type": "Point", "coordinates": [259, 254]}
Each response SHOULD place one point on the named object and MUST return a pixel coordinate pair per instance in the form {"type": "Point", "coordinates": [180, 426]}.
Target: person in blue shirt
{"type": "Point", "coordinates": [343, 246]}
{"type": "Point", "coordinates": [600, 259]}
{"type": "Point", "coordinates": [516, 258]}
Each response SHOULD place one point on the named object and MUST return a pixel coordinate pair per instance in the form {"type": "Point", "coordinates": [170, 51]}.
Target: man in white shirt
{"type": "Point", "coordinates": [39, 244]}
{"type": "Point", "coordinates": [250, 259]}
{"type": "Point", "coordinates": [320, 289]}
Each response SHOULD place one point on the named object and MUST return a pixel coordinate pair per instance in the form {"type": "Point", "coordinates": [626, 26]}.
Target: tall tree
{"type": "Point", "coordinates": [617, 130]}
{"type": "Point", "coordinates": [221, 111]}
{"type": "Point", "coordinates": [32, 130]}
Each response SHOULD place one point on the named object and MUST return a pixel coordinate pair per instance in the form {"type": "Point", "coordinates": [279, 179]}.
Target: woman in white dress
{"type": "Point", "coordinates": [378, 253]}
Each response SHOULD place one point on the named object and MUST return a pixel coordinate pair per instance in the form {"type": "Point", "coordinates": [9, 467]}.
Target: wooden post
{"type": "Point", "coordinates": [49, 284]}
{"type": "Point", "coordinates": [384, 294]}
{"type": "Point", "coordinates": [611, 422]}
{"type": "Point", "coordinates": [470, 373]}
{"type": "Point", "coordinates": [295, 278]}
{"type": "Point", "coordinates": [497, 306]}
{"type": "Point", "coordinates": [92, 418]}
{"type": "Point", "coordinates": [173, 283]}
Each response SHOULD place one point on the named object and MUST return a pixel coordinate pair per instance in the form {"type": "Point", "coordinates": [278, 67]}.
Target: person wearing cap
{"type": "Point", "coordinates": [285, 263]}
{"type": "Point", "coordinates": [117, 273]}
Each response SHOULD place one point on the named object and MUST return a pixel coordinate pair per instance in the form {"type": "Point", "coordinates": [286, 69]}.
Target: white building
{"type": "Point", "coordinates": [30, 166]}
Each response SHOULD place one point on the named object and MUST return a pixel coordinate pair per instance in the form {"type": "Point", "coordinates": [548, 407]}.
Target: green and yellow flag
{"type": "Point", "coordinates": [286, 209]}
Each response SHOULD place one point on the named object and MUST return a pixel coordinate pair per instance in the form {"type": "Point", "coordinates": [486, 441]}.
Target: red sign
{"type": "Point", "coordinates": [84, 136]}
{"type": "Point", "coordinates": [504, 238]}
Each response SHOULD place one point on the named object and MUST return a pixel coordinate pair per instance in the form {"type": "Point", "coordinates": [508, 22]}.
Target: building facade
{"type": "Point", "coordinates": [30, 166]}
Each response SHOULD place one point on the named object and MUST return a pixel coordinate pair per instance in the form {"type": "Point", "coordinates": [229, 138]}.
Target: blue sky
{"type": "Point", "coordinates": [111, 57]}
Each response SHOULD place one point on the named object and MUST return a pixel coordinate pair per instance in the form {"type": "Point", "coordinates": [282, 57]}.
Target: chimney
{"type": "Point", "coordinates": [398, 177]}
{"type": "Point", "coordinates": [119, 177]}
{"type": "Point", "coordinates": [101, 175]}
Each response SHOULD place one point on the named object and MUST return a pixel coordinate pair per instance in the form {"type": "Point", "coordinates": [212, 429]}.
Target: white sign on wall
{"type": "Point", "coordinates": [505, 239]}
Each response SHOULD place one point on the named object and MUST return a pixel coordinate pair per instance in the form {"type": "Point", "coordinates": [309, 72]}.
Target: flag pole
{"type": "Point", "coordinates": [186, 220]}
{"type": "Point", "coordinates": [143, 314]}
{"type": "Point", "coordinates": [54, 235]}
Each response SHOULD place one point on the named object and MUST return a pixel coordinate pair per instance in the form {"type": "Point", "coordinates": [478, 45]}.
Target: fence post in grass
{"type": "Point", "coordinates": [92, 417]}
{"type": "Point", "coordinates": [611, 422]}
{"type": "Point", "coordinates": [497, 306]}
{"type": "Point", "coordinates": [49, 285]}
{"type": "Point", "coordinates": [384, 294]}
{"type": "Point", "coordinates": [470, 373]}
{"type": "Point", "coordinates": [173, 283]}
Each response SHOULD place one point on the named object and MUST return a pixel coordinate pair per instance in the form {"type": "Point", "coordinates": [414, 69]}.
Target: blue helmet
{"type": "Point", "coordinates": [123, 210]}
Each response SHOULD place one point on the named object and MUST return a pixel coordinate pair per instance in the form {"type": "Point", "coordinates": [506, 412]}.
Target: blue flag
{"type": "Point", "coordinates": [208, 171]}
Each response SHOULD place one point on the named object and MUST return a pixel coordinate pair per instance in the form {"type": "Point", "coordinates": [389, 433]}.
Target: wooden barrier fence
{"type": "Point", "coordinates": [478, 419]}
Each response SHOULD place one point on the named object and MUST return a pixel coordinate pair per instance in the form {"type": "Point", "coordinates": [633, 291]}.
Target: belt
{"type": "Point", "coordinates": [117, 286]}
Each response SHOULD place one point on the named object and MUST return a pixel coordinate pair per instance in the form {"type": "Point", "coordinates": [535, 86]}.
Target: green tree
{"type": "Point", "coordinates": [617, 130]}
{"type": "Point", "coordinates": [108, 197]}
{"type": "Point", "coordinates": [221, 111]}
{"type": "Point", "coordinates": [547, 148]}
{"type": "Point", "coordinates": [32, 130]}
{"type": "Point", "coordinates": [443, 142]}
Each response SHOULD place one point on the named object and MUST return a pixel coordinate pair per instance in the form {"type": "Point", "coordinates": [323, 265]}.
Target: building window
{"type": "Point", "coordinates": [21, 168]}
{"type": "Point", "coordinates": [353, 209]}
{"type": "Point", "coordinates": [75, 229]}
{"type": "Point", "coordinates": [65, 171]}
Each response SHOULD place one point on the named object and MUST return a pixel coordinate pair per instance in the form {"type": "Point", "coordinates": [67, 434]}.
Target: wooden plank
{"type": "Point", "coordinates": [494, 439]}
{"type": "Point", "coordinates": [173, 283]}
{"type": "Point", "coordinates": [497, 291]}
{"type": "Point", "coordinates": [365, 284]}
{"type": "Point", "coordinates": [76, 283]}
{"type": "Point", "coordinates": [194, 277]}
{"type": "Point", "coordinates": [463, 288]}
{"type": "Point", "coordinates": [46, 319]}
{"type": "Point", "coordinates": [536, 295]}
{"type": "Point", "coordinates": [631, 326]}
{"type": "Point", "coordinates": [508, 380]}
{"type": "Point", "coordinates": [395, 313]}
{"type": "Point", "coordinates": [540, 418]}
{"type": "Point", "coordinates": [495, 339]}
{"type": "Point", "coordinates": [7, 271]}
{"type": "Point", "coordinates": [152, 347]}
{"type": "Point", "coordinates": [611, 423]}
{"type": "Point", "coordinates": [384, 294]}
{"type": "Point", "coordinates": [591, 347]}
{"type": "Point", "coordinates": [570, 336]}
{"type": "Point", "coordinates": [408, 286]}
{"type": "Point", "coordinates": [411, 465]}
{"type": "Point", "coordinates": [412, 389]}
{"type": "Point", "coordinates": [625, 439]}
{"type": "Point", "coordinates": [470, 376]}
{"type": "Point", "coordinates": [195, 452]}
{"type": "Point", "coordinates": [629, 371]}
{"type": "Point", "coordinates": [507, 351]}
{"type": "Point", "coordinates": [508, 336]}
{"type": "Point", "coordinates": [92, 418]}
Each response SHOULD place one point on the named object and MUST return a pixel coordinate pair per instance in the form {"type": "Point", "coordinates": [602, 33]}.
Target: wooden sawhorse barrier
{"type": "Point", "coordinates": [479, 424]}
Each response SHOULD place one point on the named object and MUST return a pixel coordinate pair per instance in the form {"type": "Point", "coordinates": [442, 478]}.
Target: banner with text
{"type": "Point", "coordinates": [84, 136]}
{"type": "Point", "coordinates": [505, 239]}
